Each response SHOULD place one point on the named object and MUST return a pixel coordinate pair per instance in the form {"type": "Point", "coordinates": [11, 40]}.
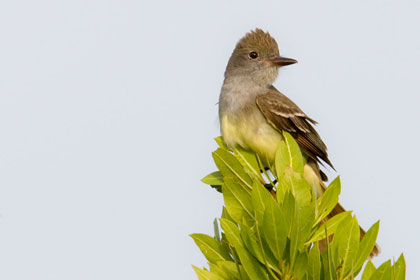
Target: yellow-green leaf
{"type": "Point", "coordinates": [399, 268]}
{"type": "Point", "coordinates": [238, 201]}
{"type": "Point", "coordinates": [288, 154]}
{"type": "Point", "coordinates": [260, 198]}
{"type": "Point", "coordinates": [206, 275]}
{"type": "Point", "coordinates": [250, 241]}
{"type": "Point", "coordinates": [314, 263]}
{"type": "Point", "coordinates": [328, 200]}
{"type": "Point", "coordinates": [221, 142]}
{"type": "Point", "coordinates": [229, 269]}
{"type": "Point", "coordinates": [301, 266]}
{"type": "Point", "coordinates": [288, 207]}
{"type": "Point", "coordinates": [274, 228]}
{"type": "Point", "coordinates": [251, 265]}
{"type": "Point", "coordinates": [332, 225]}
{"type": "Point", "coordinates": [249, 162]}
{"type": "Point", "coordinates": [366, 246]}
{"type": "Point", "coordinates": [301, 228]}
{"type": "Point", "coordinates": [348, 244]}
{"type": "Point", "coordinates": [297, 185]}
{"type": "Point", "coordinates": [210, 247]}
{"type": "Point", "coordinates": [369, 271]}
{"type": "Point", "coordinates": [229, 166]}
{"type": "Point", "coordinates": [383, 272]}
{"type": "Point", "coordinates": [232, 232]}
{"type": "Point", "coordinates": [214, 178]}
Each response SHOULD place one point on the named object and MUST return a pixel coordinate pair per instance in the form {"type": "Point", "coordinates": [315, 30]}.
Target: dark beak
{"type": "Point", "coordinates": [282, 61]}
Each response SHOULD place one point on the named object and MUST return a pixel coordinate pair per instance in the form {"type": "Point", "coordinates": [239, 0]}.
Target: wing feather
{"type": "Point", "coordinates": [285, 115]}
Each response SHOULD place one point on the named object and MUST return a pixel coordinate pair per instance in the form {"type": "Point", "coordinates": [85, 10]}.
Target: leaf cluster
{"type": "Point", "coordinates": [275, 234]}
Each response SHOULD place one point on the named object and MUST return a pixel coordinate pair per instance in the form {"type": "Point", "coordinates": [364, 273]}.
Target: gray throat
{"type": "Point", "coordinates": [238, 93]}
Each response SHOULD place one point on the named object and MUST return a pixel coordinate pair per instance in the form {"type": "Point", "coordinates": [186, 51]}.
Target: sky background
{"type": "Point", "coordinates": [108, 113]}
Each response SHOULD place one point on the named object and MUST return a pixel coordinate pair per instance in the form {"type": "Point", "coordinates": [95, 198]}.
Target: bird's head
{"type": "Point", "coordinates": [257, 57]}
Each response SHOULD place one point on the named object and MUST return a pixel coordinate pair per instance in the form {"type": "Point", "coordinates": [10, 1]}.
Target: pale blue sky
{"type": "Point", "coordinates": [108, 111]}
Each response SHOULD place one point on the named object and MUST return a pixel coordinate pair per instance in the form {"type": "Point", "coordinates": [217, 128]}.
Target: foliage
{"type": "Point", "coordinates": [275, 234]}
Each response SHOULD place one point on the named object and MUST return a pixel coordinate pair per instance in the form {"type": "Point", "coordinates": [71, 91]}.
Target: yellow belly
{"type": "Point", "coordinates": [251, 131]}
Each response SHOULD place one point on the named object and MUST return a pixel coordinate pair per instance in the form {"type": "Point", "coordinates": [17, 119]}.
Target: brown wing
{"type": "Point", "coordinates": [285, 115]}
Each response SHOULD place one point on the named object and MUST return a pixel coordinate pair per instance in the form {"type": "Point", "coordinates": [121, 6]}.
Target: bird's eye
{"type": "Point", "coordinates": [253, 55]}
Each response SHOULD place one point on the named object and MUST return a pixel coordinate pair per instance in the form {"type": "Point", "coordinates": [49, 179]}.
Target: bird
{"type": "Point", "coordinates": [253, 113]}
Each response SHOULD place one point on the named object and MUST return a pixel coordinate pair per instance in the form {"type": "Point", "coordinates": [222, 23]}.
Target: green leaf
{"type": "Point", "coordinates": [229, 166]}
{"type": "Point", "coordinates": [301, 228]}
{"type": "Point", "coordinates": [238, 202]}
{"type": "Point", "coordinates": [243, 275]}
{"type": "Point", "coordinates": [347, 238]}
{"type": "Point", "coordinates": [306, 219]}
{"type": "Point", "coordinates": [206, 275]}
{"type": "Point", "coordinates": [331, 262]}
{"type": "Point", "coordinates": [221, 142]}
{"type": "Point", "coordinates": [328, 267]}
{"type": "Point", "coordinates": [225, 269]}
{"type": "Point", "coordinates": [224, 242]}
{"type": "Point", "coordinates": [366, 246]}
{"type": "Point", "coordinates": [314, 263]}
{"type": "Point", "coordinates": [384, 272]}
{"type": "Point", "coordinates": [260, 198]}
{"type": "Point", "coordinates": [369, 271]}
{"type": "Point", "coordinates": [294, 234]}
{"type": "Point", "coordinates": [232, 232]}
{"type": "Point", "coordinates": [218, 270]}
{"type": "Point", "coordinates": [332, 225]}
{"type": "Point", "coordinates": [297, 185]}
{"type": "Point", "coordinates": [251, 265]}
{"type": "Point", "coordinates": [274, 228]}
{"type": "Point", "coordinates": [210, 248]}
{"type": "Point", "coordinates": [217, 188]}
{"type": "Point", "coordinates": [301, 265]}
{"type": "Point", "coordinates": [328, 200]}
{"type": "Point", "coordinates": [289, 208]}
{"type": "Point", "coordinates": [215, 178]}
{"type": "Point", "coordinates": [273, 263]}
{"type": "Point", "coordinates": [288, 154]}
{"type": "Point", "coordinates": [216, 230]}
{"type": "Point", "coordinates": [272, 238]}
{"type": "Point", "coordinates": [249, 162]}
{"type": "Point", "coordinates": [399, 268]}
{"type": "Point", "coordinates": [226, 215]}
{"type": "Point", "coordinates": [255, 247]}
{"type": "Point", "coordinates": [250, 241]}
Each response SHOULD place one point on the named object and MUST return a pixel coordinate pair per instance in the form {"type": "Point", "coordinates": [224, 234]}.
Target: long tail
{"type": "Point", "coordinates": [312, 172]}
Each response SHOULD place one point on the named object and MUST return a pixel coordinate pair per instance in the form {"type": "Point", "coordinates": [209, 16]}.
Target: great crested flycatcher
{"type": "Point", "coordinates": [253, 113]}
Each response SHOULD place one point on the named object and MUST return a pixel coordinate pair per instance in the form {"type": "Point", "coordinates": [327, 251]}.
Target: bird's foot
{"type": "Point", "coordinates": [269, 187]}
